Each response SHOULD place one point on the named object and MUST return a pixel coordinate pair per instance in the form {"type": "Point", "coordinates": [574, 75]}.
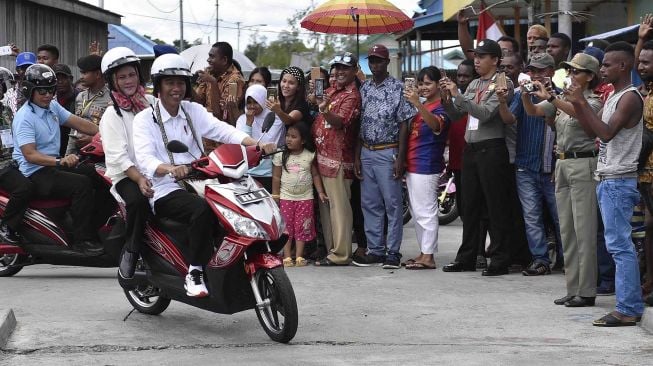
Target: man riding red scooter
{"type": "Point", "coordinates": [173, 118]}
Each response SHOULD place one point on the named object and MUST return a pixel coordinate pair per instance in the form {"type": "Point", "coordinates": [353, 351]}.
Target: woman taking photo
{"type": "Point", "coordinates": [427, 138]}
{"type": "Point", "coordinates": [574, 178]}
{"type": "Point", "coordinates": [291, 105]}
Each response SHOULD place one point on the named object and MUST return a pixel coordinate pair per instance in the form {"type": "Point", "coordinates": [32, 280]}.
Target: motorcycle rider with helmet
{"type": "Point", "coordinates": [122, 73]}
{"type": "Point", "coordinates": [36, 137]}
{"type": "Point", "coordinates": [174, 118]}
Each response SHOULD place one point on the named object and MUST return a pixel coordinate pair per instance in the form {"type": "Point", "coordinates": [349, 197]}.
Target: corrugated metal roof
{"type": "Point", "coordinates": [123, 36]}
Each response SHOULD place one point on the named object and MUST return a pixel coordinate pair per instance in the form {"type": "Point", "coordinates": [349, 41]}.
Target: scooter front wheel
{"type": "Point", "coordinates": [276, 306]}
{"type": "Point", "coordinates": [147, 300]}
{"type": "Point", "coordinates": [7, 265]}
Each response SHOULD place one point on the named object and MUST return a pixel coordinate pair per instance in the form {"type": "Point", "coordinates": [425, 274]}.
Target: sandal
{"type": "Point", "coordinates": [611, 320]}
{"type": "Point", "coordinates": [288, 262]}
{"type": "Point", "coordinates": [407, 262]}
{"type": "Point", "coordinates": [326, 262]}
{"type": "Point", "coordinates": [300, 262]}
{"type": "Point", "coordinates": [419, 265]}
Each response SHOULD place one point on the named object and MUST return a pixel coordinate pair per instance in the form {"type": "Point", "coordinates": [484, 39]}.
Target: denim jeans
{"type": "Point", "coordinates": [617, 198]}
{"type": "Point", "coordinates": [381, 196]}
{"type": "Point", "coordinates": [536, 189]}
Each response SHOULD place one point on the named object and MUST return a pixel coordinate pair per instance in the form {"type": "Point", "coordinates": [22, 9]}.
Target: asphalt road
{"type": "Point", "coordinates": [347, 315]}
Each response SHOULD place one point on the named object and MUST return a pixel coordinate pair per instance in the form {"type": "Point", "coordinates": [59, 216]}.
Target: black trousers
{"type": "Point", "coordinates": [78, 184]}
{"type": "Point", "coordinates": [191, 209]}
{"type": "Point", "coordinates": [138, 210]}
{"type": "Point", "coordinates": [20, 190]}
{"type": "Point", "coordinates": [357, 211]}
{"type": "Point", "coordinates": [486, 180]}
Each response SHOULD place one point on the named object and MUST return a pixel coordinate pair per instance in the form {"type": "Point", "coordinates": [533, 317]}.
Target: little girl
{"type": "Point", "coordinates": [294, 174]}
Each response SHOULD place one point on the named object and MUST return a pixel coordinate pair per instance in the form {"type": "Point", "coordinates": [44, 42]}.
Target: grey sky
{"type": "Point", "coordinates": [142, 16]}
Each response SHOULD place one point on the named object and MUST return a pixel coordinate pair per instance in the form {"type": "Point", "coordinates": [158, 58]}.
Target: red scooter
{"type": "Point", "coordinates": [47, 228]}
{"type": "Point", "coordinates": [244, 271]}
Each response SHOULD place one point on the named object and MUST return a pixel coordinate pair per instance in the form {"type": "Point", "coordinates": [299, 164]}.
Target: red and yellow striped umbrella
{"type": "Point", "coordinates": [374, 17]}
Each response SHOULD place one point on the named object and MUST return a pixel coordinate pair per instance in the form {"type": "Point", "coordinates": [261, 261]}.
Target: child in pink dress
{"type": "Point", "coordinates": [293, 175]}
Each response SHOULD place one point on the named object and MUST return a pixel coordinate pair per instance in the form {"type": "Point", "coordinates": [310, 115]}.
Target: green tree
{"type": "Point", "coordinates": [155, 40]}
{"type": "Point", "coordinates": [278, 53]}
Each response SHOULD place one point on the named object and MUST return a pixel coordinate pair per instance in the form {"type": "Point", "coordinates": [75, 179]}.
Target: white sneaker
{"type": "Point", "coordinates": [194, 285]}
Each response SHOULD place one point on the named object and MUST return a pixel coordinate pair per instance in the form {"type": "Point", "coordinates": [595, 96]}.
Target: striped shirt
{"type": "Point", "coordinates": [535, 140]}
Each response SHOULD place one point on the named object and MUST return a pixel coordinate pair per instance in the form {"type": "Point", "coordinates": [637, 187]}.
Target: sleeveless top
{"type": "Point", "coordinates": [619, 156]}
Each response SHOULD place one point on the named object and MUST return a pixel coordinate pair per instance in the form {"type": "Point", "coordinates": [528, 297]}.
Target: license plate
{"type": "Point", "coordinates": [251, 197]}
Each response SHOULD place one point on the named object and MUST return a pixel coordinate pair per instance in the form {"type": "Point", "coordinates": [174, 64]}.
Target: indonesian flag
{"type": "Point", "coordinates": [487, 26]}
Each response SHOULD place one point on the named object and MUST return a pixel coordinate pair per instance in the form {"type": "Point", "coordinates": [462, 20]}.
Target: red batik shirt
{"type": "Point", "coordinates": [335, 146]}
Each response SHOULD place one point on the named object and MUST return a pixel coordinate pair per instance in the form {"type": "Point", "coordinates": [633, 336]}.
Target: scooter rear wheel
{"type": "Point", "coordinates": [7, 262]}
{"type": "Point", "coordinates": [278, 315]}
{"type": "Point", "coordinates": [147, 300]}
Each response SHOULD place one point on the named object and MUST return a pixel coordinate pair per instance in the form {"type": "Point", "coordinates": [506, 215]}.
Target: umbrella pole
{"type": "Point", "coordinates": [357, 43]}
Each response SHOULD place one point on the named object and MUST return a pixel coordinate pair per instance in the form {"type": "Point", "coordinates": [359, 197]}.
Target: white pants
{"type": "Point", "coordinates": [423, 196]}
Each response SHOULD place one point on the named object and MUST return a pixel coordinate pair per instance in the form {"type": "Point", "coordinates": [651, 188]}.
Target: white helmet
{"type": "Point", "coordinates": [118, 57]}
{"type": "Point", "coordinates": [170, 65]}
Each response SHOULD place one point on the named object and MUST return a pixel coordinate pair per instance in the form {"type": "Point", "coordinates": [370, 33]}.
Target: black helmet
{"type": "Point", "coordinates": [37, 76]}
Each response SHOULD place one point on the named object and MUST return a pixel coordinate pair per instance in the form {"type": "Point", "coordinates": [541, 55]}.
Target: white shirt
{"type": "Point", "coordinates": [151, 151]}
{"type": "Point", "coordinates": [118, 141]}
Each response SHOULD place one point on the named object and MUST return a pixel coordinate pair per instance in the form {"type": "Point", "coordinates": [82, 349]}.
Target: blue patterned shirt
{"type": "Point", "coordinates": [534, 139]}
{"type": "Point", "coordinates": [383, 110]}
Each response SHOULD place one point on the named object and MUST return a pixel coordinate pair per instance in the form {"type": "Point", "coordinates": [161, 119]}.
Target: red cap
{"type": "Point", "coordinates": [379, 50]}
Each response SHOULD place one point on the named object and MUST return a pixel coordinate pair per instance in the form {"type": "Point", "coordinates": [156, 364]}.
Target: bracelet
{"type": "Point", "coordinates": [275, 196]}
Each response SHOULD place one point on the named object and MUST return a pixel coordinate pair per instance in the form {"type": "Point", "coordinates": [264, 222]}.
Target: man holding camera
{"type": "Point", "coordinates": [534, 162]}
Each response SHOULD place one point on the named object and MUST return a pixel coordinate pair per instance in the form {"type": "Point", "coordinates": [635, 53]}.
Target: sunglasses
{"type": "Point", "coordinates": [46, 90]}
{"type": "Point", "coordinates": [576, 71]}
{"type": "Point", "coordinates": [347, 57]}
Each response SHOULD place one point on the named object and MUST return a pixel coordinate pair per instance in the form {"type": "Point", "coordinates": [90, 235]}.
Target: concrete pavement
{"type": "Point", "coordinates": [347, 315]}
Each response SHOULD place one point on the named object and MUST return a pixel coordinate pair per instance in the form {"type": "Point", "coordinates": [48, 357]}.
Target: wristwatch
{"type": "Point", "coordinates": [57, 162]}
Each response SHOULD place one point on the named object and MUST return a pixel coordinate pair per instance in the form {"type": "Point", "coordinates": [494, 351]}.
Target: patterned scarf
{"type": "Point", "coordinates": [135, 103]}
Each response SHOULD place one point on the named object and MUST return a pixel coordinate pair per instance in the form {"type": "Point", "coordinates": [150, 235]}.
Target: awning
{"type": "Point", "coordinates": [621, 32]}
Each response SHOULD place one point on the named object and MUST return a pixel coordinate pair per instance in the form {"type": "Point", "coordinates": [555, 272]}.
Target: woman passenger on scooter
{"type": "Point", "coordinates": [170, 118]}
{"type": "Point", "coordinates": [122, 71]}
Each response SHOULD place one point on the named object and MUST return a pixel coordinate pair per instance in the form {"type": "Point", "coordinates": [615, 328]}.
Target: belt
{"type": "Point", "coordinates": [617, 176]}
{"type": "Point", "coordinates": [576, 154]}
{"type": "Point", "coordinates": [380, 146]}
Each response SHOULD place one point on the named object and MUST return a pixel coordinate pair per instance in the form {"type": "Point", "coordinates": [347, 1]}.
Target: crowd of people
{"type": "Point", "coordinates": [550, 154]}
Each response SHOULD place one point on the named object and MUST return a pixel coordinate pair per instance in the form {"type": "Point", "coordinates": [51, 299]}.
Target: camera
{"type": "Point", "coordinates": [530, 87]}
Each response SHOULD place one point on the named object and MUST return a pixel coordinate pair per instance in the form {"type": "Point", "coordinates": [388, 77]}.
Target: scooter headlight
{"type": "Point", "coordinates": [242, 225]}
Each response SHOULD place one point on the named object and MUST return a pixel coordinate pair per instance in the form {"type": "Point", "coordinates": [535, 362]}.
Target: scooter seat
{"type": "Point", "coordinates": [44, 203]}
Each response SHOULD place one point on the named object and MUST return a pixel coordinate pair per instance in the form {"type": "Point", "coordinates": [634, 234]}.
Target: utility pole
{"type": "Point", "coordinates": [181, 25]}
{"type": "Point", "coordinates": [217, 20]}
{"type": "Point", "coordinates": [564, 17]}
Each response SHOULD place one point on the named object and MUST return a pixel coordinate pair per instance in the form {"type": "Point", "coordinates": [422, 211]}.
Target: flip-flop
{"type": "Point", "coordinates": [419, 266]}
{"type": "Point", "coordinates": [409, 261]}
{"type": "Point", "coordinates": [609, 320]}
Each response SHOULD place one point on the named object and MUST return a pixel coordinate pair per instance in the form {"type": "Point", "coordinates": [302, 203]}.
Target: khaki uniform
{"type": "Point", "coordinates": [576, 199]}
{"type": "Point", "coordinates": [91, 107]}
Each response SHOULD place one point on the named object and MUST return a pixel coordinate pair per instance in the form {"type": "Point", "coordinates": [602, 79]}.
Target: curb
{"type": "Point", "coordinates": [7, 326]}
{"type": "Point", "coordinates": [647, 320]}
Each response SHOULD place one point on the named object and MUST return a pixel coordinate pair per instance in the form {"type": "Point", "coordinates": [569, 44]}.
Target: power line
{"type": "Point", "coordinates": [163, 11]}
{"type": "Point", "coordinates": [213, 25]}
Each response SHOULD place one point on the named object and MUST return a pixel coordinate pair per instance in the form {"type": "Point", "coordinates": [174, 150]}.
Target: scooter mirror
{"type": "Point", "coordinates": [268, 121]}
{"type": "Point", "coordinates": [177, 147]}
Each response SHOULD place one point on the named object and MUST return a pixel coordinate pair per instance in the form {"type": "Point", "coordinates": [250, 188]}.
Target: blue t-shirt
{"type": "Point", "coordinates": [35, 125]}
